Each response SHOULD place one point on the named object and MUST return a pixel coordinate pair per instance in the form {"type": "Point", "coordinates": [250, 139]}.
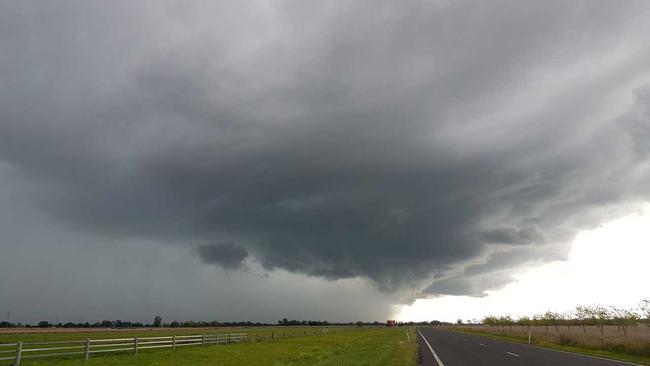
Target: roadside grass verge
{"type": "Point", "coordinates": [365, 347]}
{"type": "Point", "coordinates": [643, 360]}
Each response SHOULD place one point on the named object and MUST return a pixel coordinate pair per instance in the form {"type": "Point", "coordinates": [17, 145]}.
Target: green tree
{"type": "Point", "coordinates": [490, 320]}
{"type": "Point", "coordinates": [525, 321]}
{"type": "Point", "coordinates": [644, 306]}
{"type": "Point", "coordinates": [603, 316]}
{"type": "Point", "coordinates": [583, 314]}
{"type": "Point", "coordinates": [505, 320]}
{"type": "Point", "coordinates": [552, 318]}
{"type": "Point", "coordinates": [157, 321]}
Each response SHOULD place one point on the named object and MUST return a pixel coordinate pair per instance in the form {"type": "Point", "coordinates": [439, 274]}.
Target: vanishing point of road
{"type": "Point", "coordinates": [441, 347]}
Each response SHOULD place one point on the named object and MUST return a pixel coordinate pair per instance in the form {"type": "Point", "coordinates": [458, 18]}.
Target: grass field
{"type": "Point", "coordinates": [63, 334]}
{"type": "Point", "coordinates": [302, 346]}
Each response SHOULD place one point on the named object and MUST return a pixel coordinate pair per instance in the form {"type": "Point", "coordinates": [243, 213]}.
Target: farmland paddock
{"type": "Point", "coordinates": [265, 346]}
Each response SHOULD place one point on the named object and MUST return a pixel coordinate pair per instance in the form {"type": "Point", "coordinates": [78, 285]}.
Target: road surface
{"type": "Point", "coordinates": [446, 348]}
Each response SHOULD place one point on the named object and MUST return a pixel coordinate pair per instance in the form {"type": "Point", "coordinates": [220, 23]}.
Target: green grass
{"type": "Point", "coordinates": [366, 346]}
{"type": "Point", "coordinates": [262, 332]}
{"type": "Point", "coordinates": [559, 347]}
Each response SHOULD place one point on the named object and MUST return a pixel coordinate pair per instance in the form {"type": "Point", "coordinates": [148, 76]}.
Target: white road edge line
{"type": "Point", "coordinates": [431, 349]}
{"type": "Point", "coordinates": [513, 354]}
{"type": "Point", "coordinates": [481, 344]}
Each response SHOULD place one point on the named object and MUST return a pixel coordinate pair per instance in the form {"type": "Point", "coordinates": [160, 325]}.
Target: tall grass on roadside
{"type": "Point", "coordinates": [612, 329]}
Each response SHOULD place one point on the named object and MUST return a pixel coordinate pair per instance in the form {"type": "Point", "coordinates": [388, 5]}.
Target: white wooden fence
{"type": "Point", "coordinates": [24, 350]}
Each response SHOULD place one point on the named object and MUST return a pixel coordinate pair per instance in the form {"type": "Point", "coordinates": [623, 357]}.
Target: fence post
{"type": "Point", "coordinates": [173, 343]}
{"type": "Point", "coordinates": [529, 337]}
{"type": "Point", "coordinates": [202, 340]}
{"type": "Point", "coordinates": [87, 350]}
{"type": "Point", "coordinates": [19, 353]}
{"type": "Point", "coordinates": [228, 338]}
{"type": "Point", "coordinates": [135, 346]}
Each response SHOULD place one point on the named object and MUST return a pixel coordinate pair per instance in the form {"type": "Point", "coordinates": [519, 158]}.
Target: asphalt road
{"type": "Point", "coordinates": [446, 348]}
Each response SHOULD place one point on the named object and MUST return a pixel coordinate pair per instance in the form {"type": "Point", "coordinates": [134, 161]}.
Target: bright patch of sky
{"type": "Point", "coordinates": [607, 266]}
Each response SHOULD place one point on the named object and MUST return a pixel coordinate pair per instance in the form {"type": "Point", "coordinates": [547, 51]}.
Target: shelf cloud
{"type": "Point", "coordinates": [409, 144]}
{"type": "Point", "coordinates": [226, 255]}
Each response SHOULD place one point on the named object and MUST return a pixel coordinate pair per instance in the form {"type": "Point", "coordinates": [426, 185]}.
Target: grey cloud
{"type": "Point", "coordinates": [396, 144]}
{"type": "Point", "coordinates": [511, 235]}
{"type": "Point", "coordinates": [226, 255]}
{"type": "Point", "coordinates": [636, 122]}
{"type": "Point", "coordinates": [472, 286]}
{"type": "Point", "coordinates": [504, 259]}
{"type": "Point", "coordinates": [494, 272]}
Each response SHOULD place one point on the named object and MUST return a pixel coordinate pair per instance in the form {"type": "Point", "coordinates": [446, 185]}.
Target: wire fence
{"type": "Point", "coordinates": [87, 347]}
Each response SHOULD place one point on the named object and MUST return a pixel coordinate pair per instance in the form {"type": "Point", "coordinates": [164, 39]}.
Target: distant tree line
{"type": "Point", "coordinates": [359, 323]}
{"type": "Point", "coordinates": [581, 316]}
{"type": "Point", "coordinates": [102, 324]}
{"type": "Point", "coordinates": [424, 323]}
{"type": "Point", "coordinates": [158, 322]}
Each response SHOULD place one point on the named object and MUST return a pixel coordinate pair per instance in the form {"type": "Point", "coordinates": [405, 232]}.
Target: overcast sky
{"type": "Point", "coordinates": [326, 160]}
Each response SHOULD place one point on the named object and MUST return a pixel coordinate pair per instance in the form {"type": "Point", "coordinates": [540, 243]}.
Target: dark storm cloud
{"type": "Point", "coordinates": [226, 255]}
{"type": "Point", "coordinates": [511, 235]}
{"type": "Point", "coordinates": [493, 272]}
{"type": "Point", "coordinates": [471, 286]}
{"type": "Point", "coordinates": [393, 141]}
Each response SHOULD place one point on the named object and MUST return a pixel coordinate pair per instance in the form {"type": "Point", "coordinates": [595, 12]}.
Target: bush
{"type": "Point", "coordinates": [567, 340]}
